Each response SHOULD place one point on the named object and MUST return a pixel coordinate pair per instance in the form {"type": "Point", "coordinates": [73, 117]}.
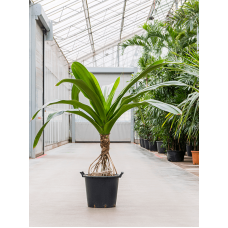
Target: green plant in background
{"type": "Point", "coordinates": [102, 112]}
{"type": "Point", "coordinates": [174, 40]}
{"type": "Point", "coordinates": [189, 121]}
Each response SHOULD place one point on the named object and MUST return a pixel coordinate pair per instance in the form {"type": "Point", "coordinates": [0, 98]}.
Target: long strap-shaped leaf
{"type": "Point", "coordinates": [97, 104]}
{"type": "Point", "coordinates": [109, 92]}
{"type": "Point", "coordinates": [153, 66]}
{"type": "Point", "coordinates": [112, 93]}
{"type": "Point", "coordinates": [75, 103]}
{"type": "Point", "coordinates": [50, 116]}
{"type": "Point", "coordinates": [73, 111]}
{"type": "Point", "coordinates": [80, 72]}
{"type": "Point", "coordinates": [98, 89]}
{"type": "Point", "coordinates": [161, 105]}
{"type": "Point", "coordinates": [130, 98]}
{"type": "Point", "coordinates": [75, 94]}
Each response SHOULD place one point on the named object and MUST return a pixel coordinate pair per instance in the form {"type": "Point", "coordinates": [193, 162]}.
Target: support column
{"type": "Point", "coordinates": [73, 128]}
{"type": "Point", "coordinates": [32, 80]}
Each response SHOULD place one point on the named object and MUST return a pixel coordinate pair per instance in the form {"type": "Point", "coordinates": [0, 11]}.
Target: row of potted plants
{"type": "Point", "coordinates": [172, 155]}
{"type": "Point", "coordinates": [175, 40]}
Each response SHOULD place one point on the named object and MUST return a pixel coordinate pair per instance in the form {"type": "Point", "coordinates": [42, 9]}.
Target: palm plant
{"type": "Point", "coordinates": [186, 16]}
{"type": "Point", "coordinates": [190, 106]}
{"type": "Point", "coordinates": [102, 112]}
{"type": "Point", "coordinates": [159, 36]}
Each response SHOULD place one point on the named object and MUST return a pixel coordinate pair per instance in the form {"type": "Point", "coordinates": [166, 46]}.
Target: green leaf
{"type": "Point", "coordinates": [153, 87]}
{"type": "Point", "coordinates": [73, 111]}
{"type": "Point", "coordinates": [50, 116]}
{"type": "Point", "coordinates": [80, 72]}
{"type": "Point", "coordinates": [98, 89]}
{"type": "Point", "coordinates": [96, 125]}
{"type": "Point", "coordinates": [75, 94]}
{"type": "Point", "coordinates": [158, 104]}
{"type": "Point", "coordinates": [109, 92]}
{"type": "Point", "coordinates": [92, 96]}
{"type": "Point", "coordinates": [153, 66]}
{"type": "Point", "coordinates": [75, 103]}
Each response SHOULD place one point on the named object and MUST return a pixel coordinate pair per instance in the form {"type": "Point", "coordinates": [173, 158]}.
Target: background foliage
{"type": "Point", "coordinates": [173, 40]}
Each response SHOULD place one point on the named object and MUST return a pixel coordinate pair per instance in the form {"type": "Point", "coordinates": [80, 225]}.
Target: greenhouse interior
{"type": "Point", "coordinates": [114, 85]}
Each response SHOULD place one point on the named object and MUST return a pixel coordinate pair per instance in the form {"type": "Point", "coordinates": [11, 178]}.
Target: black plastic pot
{"type": "Point", "coordinates": [160, 149]}
{"type": "Point", "coordinates": [143, 143]}
{"type": "Point", "coordinates": [175, 155]}
{"type": "Point", "coordinates": [146, 142]}
{"type": "Point", "coordinates": [188, 149]}
{"type": "Point", "coordinates": [140, 141]}
{"type": "Point", "coordinates": [101, 190]}
{"type": "Point", "coordinates": [153, 146]}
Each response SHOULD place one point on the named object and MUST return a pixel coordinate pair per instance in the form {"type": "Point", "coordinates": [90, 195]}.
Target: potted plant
{"type": "Point", "coordinates": [102, 178]}
{"type": "Point", "coordinates": [152, 145]}
{"type": "Point", "coordinates": [195, 151]}
{"type": "Point", "coordinates": [160, 134]}
{"type": "Point", "coordinates": [152, 141]}
{"type": "Point", "coordinates": [175, 147]}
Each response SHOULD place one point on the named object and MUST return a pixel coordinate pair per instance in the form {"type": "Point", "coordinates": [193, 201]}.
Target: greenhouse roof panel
{"type": "Point", "coordinates": [85, 28]}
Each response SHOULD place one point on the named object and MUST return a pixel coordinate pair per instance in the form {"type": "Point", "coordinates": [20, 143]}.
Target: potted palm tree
{"type": "Point", "coordinates": [102, 178]}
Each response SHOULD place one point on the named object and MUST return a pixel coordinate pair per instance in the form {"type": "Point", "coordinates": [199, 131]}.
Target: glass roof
{"type": "Point", "coordinates": [86, 28]}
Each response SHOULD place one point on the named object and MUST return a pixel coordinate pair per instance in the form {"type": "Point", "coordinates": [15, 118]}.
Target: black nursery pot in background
{"type": "Point", "coordinates": [143, 144]}
{"type": "Point", "coordinates": [188, 149]}
{"type": "Point", "coordinates": [101, 190]}
{"type": "Point", "coordinates": [175, 155]}
{"type": "Point", "coordinates": [153, 146]}
{"type": "Point", "coordinates": [146, 142]}
{"type": "Point", "coordinates": [140, 140]}
{"type": "Point", "coordinates": [160, 149]}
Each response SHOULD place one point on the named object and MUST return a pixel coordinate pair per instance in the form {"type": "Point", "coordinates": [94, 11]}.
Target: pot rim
{"type": "Point", "coordinates": [115, 176]}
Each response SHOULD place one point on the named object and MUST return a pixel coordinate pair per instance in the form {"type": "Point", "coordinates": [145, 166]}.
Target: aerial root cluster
{"type": "Point", "coordinates": [103, 164]}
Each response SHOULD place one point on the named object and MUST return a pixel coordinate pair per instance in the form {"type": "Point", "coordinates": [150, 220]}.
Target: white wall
{"type": "Point", "coordinates": [56, 69]}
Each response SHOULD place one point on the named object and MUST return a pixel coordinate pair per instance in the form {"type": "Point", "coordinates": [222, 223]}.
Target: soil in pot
{"type": "Point", "coordinates": [160, 148]}
{"type": "Point", "coordinates": [195, 157]}
{"type": "Point", "coordinates": [175, 155]}
{"type": "Point", "coordinates": [101, 190]}
{"type": "Point", "coordinates": [146, 142]}
{"type": "Point", "coordinates": [152, 146]}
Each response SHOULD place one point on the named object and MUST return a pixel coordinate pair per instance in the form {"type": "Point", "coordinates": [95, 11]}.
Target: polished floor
{"type": "Point", "coordinates": [152, 192]}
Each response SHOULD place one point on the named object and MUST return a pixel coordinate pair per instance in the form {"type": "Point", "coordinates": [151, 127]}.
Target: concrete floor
{"type": "Point", "coordinates": [152, 192]}
{"type": "Point", "coordinates": [187, 164]}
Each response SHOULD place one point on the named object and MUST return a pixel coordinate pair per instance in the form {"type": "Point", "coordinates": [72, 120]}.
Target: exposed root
{"type": "Point", "coordinates": [103, 164]}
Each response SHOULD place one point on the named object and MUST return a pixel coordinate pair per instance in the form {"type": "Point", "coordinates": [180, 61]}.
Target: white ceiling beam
{"type": "Point", "coordinates": [122, 21]}
{"type": "Point", "coordinates": [88, 24]}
